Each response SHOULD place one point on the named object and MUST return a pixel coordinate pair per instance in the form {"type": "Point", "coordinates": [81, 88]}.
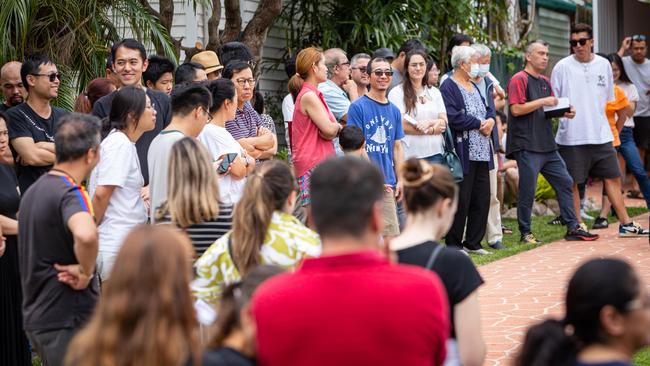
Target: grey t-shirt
{"type": "Point", "coordinates": [396, 80]}
{"type": "Point", "coordinates": [640, 76]}
{"type": "Point", "coordinates": [158, 159]}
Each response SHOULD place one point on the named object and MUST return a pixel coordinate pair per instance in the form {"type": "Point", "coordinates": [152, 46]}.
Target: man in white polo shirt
{"type": "Point", "coordinates": [585, 142]}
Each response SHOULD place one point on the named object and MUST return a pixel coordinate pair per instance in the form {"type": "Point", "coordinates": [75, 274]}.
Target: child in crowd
{"type": "Point", "coordinates": [352, 142]}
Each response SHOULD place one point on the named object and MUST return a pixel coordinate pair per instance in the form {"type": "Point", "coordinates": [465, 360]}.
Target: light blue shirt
{"type": "Point", "coordinates": [336, 98]}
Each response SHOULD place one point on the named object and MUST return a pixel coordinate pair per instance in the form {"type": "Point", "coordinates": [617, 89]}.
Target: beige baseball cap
{"type": "Point", "coordinates": [209, 60]}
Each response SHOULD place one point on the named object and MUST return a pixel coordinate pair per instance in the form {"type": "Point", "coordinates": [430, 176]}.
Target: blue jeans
{"type": "Point", "coordinates": [633, 162]}
{"type": "Point", "coordinates": [434, 159]}
{"type": "Point", "coordinates": [553, 168]}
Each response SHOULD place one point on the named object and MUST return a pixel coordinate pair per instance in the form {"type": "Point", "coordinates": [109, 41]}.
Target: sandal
{"type": "Point", "coordinates": [633, 193]}
{"type": "Point", "coordinates": [506, 230]}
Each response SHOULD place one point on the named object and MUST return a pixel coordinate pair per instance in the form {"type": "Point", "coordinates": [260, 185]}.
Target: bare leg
{"type": "Point", "coordinates": [613, 189]}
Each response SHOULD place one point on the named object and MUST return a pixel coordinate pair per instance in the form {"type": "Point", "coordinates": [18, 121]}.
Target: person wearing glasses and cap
{"type": "Point", "coordinates": [32, 124]}
{"type": "Point", "coordinates": [585, 142]}
{"type": "Point", "coordinates": [210, 61]}
{"type": "Point", "coordinates": [637, 68]}
{"type": "Point", "coordinates": [381, 123]}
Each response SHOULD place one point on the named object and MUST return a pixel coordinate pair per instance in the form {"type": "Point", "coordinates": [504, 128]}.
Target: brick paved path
{"type": "Point", "coordinates": [528, 287]}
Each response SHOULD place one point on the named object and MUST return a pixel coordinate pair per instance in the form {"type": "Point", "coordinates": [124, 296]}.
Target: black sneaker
{"type": "Point", "coordinates": [600, 223]}
{"type": "Point", "coordinates": [529, 238]}
{"type": "Point", "coordinates": [579, 234]}
{"type": "Point", "coordinates": [556, 221]}
{"type": "Point", "coordinates": [497, 245]}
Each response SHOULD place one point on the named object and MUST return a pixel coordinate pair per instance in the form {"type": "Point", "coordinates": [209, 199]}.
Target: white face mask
{"type": "Point", "coordinates": [474, 71]}
{"type": "Point", "coordinates": [483, 69]}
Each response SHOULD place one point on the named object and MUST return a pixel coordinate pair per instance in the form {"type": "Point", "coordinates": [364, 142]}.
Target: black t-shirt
{"type": "Point", "coordinates": [4, 107]}
{"type": "Point", "coordinates": [456, 271]}
{"type": "Point", "coordinates": [226, 356]}
{"type": "Point", "coordinates": [24, 122]}
{"type": "Point", "coordinates": [162, 105]}
{"type": "Point", "coordinates": [532, 131]}
{"type": "Point", "coordinates": [43, 240]}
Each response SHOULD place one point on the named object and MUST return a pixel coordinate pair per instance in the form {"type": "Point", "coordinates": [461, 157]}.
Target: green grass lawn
{"type": "Point", "coordinates": [545, 233]}
{"type": "Point", "coordinates": [643, 358]}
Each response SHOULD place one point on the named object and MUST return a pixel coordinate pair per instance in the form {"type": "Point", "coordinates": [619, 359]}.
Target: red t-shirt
{"type": "Point", "coordinates": [354, 309]}
{"type": "Point", "coordinates": [308, 148]}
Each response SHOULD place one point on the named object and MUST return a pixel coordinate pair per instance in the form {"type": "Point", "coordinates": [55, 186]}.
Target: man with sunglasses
{"type": "Point", "coordinates": [381, 123]}
{"type": "Point", "coordinates": [358, 72]}
{"type": "Point", "coordinates": [637, 68]}
{"type": "Point", "coordinates": [585, 142]}
{"type": "Point", "coordinates": [32, 124]}
{"type": "Point", "coordinates": [339, 90]}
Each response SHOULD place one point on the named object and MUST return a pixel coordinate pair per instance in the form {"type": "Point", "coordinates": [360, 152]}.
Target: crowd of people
{"type": "Point", "coordinates": [153, 226]}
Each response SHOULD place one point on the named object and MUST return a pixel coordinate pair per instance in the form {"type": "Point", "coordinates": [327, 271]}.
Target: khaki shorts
{"type": "Point", "coordinates": [391, 224]}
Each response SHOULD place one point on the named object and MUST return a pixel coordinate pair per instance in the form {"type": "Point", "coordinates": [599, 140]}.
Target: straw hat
{"type": "Point", "coordinates": [209, 60]}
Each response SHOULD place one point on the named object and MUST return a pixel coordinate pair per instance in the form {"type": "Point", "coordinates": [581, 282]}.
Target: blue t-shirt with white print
{"type": "Point", "coordinates": [381, 124]}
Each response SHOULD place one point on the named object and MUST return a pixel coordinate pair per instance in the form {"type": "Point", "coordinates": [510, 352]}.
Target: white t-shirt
{"type": "Point", "coordinates": [632, 95]}
{"type": "Point", "coordinates": [420, 146]}
{"type": "Point", "coordinates": [640, 76]}
{"type": "Point", "coordinates": [287, 114]}
{"type": "Point", "coordinates": [219, 142]}
{"type": "Point", "coordinates": [158, 159]}
{"type": "Point", "coordinates": [589, 86]}
{"type": "Point", "coordinates": [118, 166]}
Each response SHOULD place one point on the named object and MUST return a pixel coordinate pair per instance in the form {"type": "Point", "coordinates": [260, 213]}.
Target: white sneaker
{"type": "Point", "coordinates": [478, 251]}
{"type": "Point", "coordinates": [584, 215]}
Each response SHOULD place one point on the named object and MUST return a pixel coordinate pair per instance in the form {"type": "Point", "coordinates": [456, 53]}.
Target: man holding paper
{"type": "Point", "coordinates": [585, 143]}
{"type": "Point", "coordinates": [530, 142]}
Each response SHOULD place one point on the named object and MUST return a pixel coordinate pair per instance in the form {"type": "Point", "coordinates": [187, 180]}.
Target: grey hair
{"type": "Point", "coordinates": [355, 58]}
{"type": "Point", "coordinates": [482, 49]}
{"type": "Point", "coordinates": [332, 57]}
{"type": "Point", "coordinates": [529, 47]}
{"type": "Point", "coordinates": [461, 54]}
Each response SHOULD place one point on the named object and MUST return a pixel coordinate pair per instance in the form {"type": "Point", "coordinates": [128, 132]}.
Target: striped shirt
{"type": "Point", "coordinates": [204, 234]}
{"type": "Point", "coordinates": [245, 123]}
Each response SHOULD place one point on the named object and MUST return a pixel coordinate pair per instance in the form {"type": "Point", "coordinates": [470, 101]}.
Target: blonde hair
{"type": "Point", "coordinates": [304, 61]}
{"type": "Point", "coordinates": [266, 191]}
{"type": "Point", "coordinates": [192, 186]}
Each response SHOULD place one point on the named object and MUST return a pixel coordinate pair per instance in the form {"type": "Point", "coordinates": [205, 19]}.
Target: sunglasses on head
{"type": "Point", "coordinates": [53, 76]}
{"type": "Point", "coordinates": [380, 73]}
{"type": "Point", "coordinates": [638, 38]}
{"type": "Point", "coordinates": [581, 41]}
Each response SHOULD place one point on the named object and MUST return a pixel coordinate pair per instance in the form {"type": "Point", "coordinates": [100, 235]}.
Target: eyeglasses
{"type": "Point", "coordinates": [243, 82]}
{"type": "Point", "coordinates": [581, 41]}
{"type": "Point", "coordinates": [638, 38]}
{"type": "Point", "coordinates": [209, 116]}
{"type": "Point", "coordinates": [53, 76]}
{"type": "Point", "coordinates": [346, 63]}
{"type": "Point", "coordinates": [380, 73]}
{"type": "Point", "coordinates": [362, 69]}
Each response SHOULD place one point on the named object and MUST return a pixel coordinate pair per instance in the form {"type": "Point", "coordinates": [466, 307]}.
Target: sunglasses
{"type": "Point", "coordinates": [638, 38]}
{"type": "Point", "coordinates": [581, 41]}
{"type": "Point", "coordinates": [53, 76]}
{"type": "Point", "coordinates": [362, 69]}
{"type": "Point", "coordinates": [380, 73]}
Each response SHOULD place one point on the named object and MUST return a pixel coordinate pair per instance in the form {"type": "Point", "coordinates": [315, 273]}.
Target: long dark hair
{"type": "Point", "coordinates": [596, 284]}
{"type": "Point", "coordinates": [614, 58]}
{"type": "Point", "coordinates": [221, 89]}
{"type": "Point", "coordinates": [410, 99]}
{"type": "Point", "coordinates": [129, 103]}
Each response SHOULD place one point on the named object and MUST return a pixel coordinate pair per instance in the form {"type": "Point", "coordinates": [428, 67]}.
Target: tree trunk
{"type": "Point", "coordinates": [233, 21]}
{"type": "Point", "coordinates": [257, 29]}
{"type": "Point", "coordinates": [214, 41]}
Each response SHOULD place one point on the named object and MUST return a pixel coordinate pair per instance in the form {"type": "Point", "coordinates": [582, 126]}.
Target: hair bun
{"type": "Point", "coordinates": [416, 172]}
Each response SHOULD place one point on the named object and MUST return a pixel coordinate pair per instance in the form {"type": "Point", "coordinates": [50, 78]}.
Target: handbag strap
{"type": "Point", "coordinates": [447, 140]}
{"type": "Point", "coordinates": [434, 255]}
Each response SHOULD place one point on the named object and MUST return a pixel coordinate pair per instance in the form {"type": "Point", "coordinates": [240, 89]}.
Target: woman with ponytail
{"type": "Point", "coordinates": [430, 196]}
{"type": "Point", "coordinates": [263, 232]}
{"type": "Point", "coordinates": [233, 342]}
{"type": "Point", "coordinates": [313, 125]}
{"type": "Point", "coordinates": [607, 320]}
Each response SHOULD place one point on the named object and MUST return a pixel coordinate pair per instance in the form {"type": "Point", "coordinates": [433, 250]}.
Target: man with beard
{"type": "Point", "coordinates": [12, 87]}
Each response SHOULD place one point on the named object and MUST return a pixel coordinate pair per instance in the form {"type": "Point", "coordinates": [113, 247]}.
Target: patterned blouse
{"type": "Point", "coordinates": [479, 144]}
{"type": "Point", "coordinates": [287, 243]}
